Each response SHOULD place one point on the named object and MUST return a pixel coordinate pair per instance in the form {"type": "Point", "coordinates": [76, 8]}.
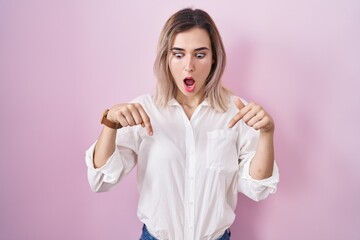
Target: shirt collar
{"type": "Point", "coordinates": [174, 102]}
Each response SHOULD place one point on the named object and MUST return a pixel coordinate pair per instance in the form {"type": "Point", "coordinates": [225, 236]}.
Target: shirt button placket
{"type": "Point", "coordinates": [189, 230]}
{"type": "Point", "coordinates": [192, 165]}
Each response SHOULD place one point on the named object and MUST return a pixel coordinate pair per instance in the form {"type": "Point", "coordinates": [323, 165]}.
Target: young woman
{"type": "Point", "coordinates": [194, 143]}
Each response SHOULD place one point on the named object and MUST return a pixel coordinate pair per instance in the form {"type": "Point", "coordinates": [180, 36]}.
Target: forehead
{"type": "Point", "coordinates": [192, 39]}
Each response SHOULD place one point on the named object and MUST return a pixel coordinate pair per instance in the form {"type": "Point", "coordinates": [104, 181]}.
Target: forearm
{"type": "Point", "coordinates": [105, 146]}
{"type": "Point", "coordinates": [263, 162]}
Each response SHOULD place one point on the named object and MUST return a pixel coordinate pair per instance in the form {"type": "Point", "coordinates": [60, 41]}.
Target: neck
{"type": "Point", "coordinates": [190, 102]}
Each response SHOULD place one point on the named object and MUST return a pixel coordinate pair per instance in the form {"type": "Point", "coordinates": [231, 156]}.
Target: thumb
{"type": "Point", "coordinates": [239, 104]}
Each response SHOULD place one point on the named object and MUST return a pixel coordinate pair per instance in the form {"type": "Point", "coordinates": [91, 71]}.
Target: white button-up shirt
{"type": "Point", "coordinates": [189, 172]}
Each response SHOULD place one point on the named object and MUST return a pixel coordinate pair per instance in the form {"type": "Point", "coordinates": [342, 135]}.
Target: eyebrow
{"type": "Point", "coordinates": [196, 49]}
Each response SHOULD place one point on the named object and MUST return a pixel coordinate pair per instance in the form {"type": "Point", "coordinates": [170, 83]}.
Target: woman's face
{"type": "Point", "coordinates": [190, 62]}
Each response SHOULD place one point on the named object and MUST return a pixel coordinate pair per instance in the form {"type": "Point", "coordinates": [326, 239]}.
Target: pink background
{"type": "Point", "coordinates": [63, 62]}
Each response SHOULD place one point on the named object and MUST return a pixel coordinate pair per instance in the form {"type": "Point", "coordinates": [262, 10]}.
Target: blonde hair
{"type": "Point", "coordinates": [181, 21]}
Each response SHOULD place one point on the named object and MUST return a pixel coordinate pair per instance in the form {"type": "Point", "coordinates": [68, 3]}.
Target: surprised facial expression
{"type": "Point", "coordinates": [190, 62]}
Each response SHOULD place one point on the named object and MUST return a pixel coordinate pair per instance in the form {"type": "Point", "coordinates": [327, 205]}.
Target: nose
{"type": "Point", "coordinates": [189, 65]}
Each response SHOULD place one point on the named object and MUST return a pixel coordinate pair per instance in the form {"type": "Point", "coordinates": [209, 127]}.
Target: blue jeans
{"type": "Point", "coordinates": [147, 236]}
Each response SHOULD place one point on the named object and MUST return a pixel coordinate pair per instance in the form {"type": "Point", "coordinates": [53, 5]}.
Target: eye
{"type": "Point", "coordinates": [178, 54]}
{"type": "Point", "coordinates": [200, 55]}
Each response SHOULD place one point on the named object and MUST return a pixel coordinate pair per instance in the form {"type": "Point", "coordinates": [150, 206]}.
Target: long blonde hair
{"type": "Point", "coordinates": [181, 21]}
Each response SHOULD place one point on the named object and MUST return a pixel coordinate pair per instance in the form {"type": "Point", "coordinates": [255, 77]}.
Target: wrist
{"type": "Point", "coordinates": [267, 134]}
{"type": "Point", "coordinates": [111, 124]}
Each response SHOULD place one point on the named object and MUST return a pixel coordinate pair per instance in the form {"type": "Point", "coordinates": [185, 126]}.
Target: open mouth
{"type": "Point", "coordinates": [189, 84]}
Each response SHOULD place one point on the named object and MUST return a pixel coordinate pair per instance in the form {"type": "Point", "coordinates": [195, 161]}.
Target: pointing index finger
{"type": "Point", "coordinates": [145, 120]}
{"type": "Point", "coordinates": [239, 104]}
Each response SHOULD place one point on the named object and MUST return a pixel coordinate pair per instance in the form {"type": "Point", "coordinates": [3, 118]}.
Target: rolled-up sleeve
{"type": "Point", "coordinates": [253, 188]}
{"type": "Point", "coordinates": [119, 164]}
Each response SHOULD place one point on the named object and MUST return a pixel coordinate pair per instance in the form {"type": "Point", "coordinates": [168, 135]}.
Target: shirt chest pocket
{"type": "Point", "coordinates": [221, 150]}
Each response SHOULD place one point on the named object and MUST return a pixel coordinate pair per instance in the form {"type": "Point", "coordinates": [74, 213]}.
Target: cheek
{"type": "Point", "coordinates": [175, 68]}
{"type": "Point", "coordinates": [206, 67]}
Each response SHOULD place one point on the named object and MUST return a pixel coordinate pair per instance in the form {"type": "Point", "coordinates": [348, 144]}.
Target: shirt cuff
{"type": "Point", "coordinates": [270, 182]}
{"type": "Point", "coordinates": [111, 169]}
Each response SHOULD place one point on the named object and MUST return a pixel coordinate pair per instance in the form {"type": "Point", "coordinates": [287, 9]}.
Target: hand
{"type": "Point", "coordinates": [254, 116]}
{"type": "Point", "coordinates": [130, 114]}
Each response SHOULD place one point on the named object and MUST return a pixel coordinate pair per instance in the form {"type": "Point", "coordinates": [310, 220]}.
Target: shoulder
{"type": "Point", "coordinates": [146, 101]}
{"type": "Point", "coordinates": [232, 105]}
{"type": "Point", "coordinates": [234, 97]}
{"type": "Point", "coordinates": [143, 99]}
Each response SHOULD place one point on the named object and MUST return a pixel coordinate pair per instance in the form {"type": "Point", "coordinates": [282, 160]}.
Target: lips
{"type": "Point", "coordinates": [189, 84]}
